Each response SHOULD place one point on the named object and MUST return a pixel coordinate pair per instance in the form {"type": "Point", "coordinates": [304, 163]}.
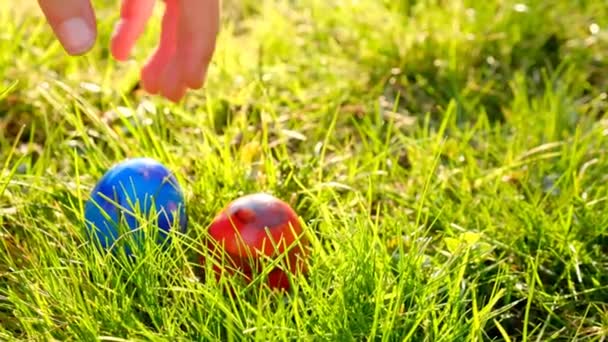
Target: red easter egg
{"type": "Point", "coordinates": [252, 229]}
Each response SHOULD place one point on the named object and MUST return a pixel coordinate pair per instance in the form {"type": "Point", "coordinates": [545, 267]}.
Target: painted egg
{"type": "Point", "coordinates": [254, 227]}
{"type": "Point", "coordinates": [130, 195]}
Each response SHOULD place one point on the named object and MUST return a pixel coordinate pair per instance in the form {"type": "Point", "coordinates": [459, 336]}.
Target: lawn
{"type": "Point", "coordinates": [448, 160]}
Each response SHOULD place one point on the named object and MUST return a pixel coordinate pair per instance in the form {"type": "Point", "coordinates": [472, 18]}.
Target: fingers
{"type": "Point", "coordinates": [73, 22]}
{"type": "Point", "coordinates": [134, 15]}
{"type": "Point", "coordinates": [154, 68]}
{"type": "Point", "coordinates": [189, 31]}
{"type": "Point", "coordinates": [187, 43]}
{"type": "Point", "coordinates": [198, 29]}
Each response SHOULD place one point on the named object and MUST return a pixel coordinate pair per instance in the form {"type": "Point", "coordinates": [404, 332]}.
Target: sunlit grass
{"type": "Point", "coordinates": [448, 160]}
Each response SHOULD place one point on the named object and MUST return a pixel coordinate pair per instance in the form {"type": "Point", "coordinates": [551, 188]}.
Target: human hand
{"type": "Point", "coordinates": [182, 57]}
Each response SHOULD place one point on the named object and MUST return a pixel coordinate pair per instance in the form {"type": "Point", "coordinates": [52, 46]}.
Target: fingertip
{"type": "Point", "coordinates": [171, 84]}
{"type": "Point", "coordinates": [76, 35]}
{"type": "Point", "coordinates": [118, 54]}
{"type": "Point", "coordinates": [196, 86]}
{"type": "Point", "coordinates": [195, 83]}
{"type": "Point", "coordinates": [73, 22]}
{"type": "Point", "coordinates": [117, 45]}
{"type": "Point", "coordinates": [149, 81]}
{"type": "Point", "coordinates": [174, 94]}
{"type": "Point", "coordinates": [195, 63]}
{"type": "Point", "coordinates": [178, 96]}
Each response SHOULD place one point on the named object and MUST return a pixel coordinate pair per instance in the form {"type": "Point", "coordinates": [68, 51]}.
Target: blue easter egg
{"type": "Point", "coordinates": [130, 194]}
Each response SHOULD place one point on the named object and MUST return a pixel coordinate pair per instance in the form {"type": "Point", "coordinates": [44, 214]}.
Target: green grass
{"type": "Point", "coordinates": [448, 159]}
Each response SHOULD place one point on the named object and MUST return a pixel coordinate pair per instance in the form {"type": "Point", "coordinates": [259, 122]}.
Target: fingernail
{"type": "Point", "coordinates": [77, 37]}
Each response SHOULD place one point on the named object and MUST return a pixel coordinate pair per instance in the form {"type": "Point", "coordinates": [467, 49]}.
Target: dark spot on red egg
{"type": "Point", "coordinates": [245, 215]}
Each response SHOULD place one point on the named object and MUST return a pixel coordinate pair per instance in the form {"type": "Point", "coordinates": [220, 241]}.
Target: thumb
{"type": "Point", "coordinates": [73, 23]}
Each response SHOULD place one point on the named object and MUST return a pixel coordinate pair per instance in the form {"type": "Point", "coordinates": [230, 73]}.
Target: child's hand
{"type": "Point", "coordinates": [187, 41]}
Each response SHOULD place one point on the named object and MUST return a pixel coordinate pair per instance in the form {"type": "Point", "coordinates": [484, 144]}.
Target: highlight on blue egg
{"type": "Point", "coordinates": [131, 195]}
